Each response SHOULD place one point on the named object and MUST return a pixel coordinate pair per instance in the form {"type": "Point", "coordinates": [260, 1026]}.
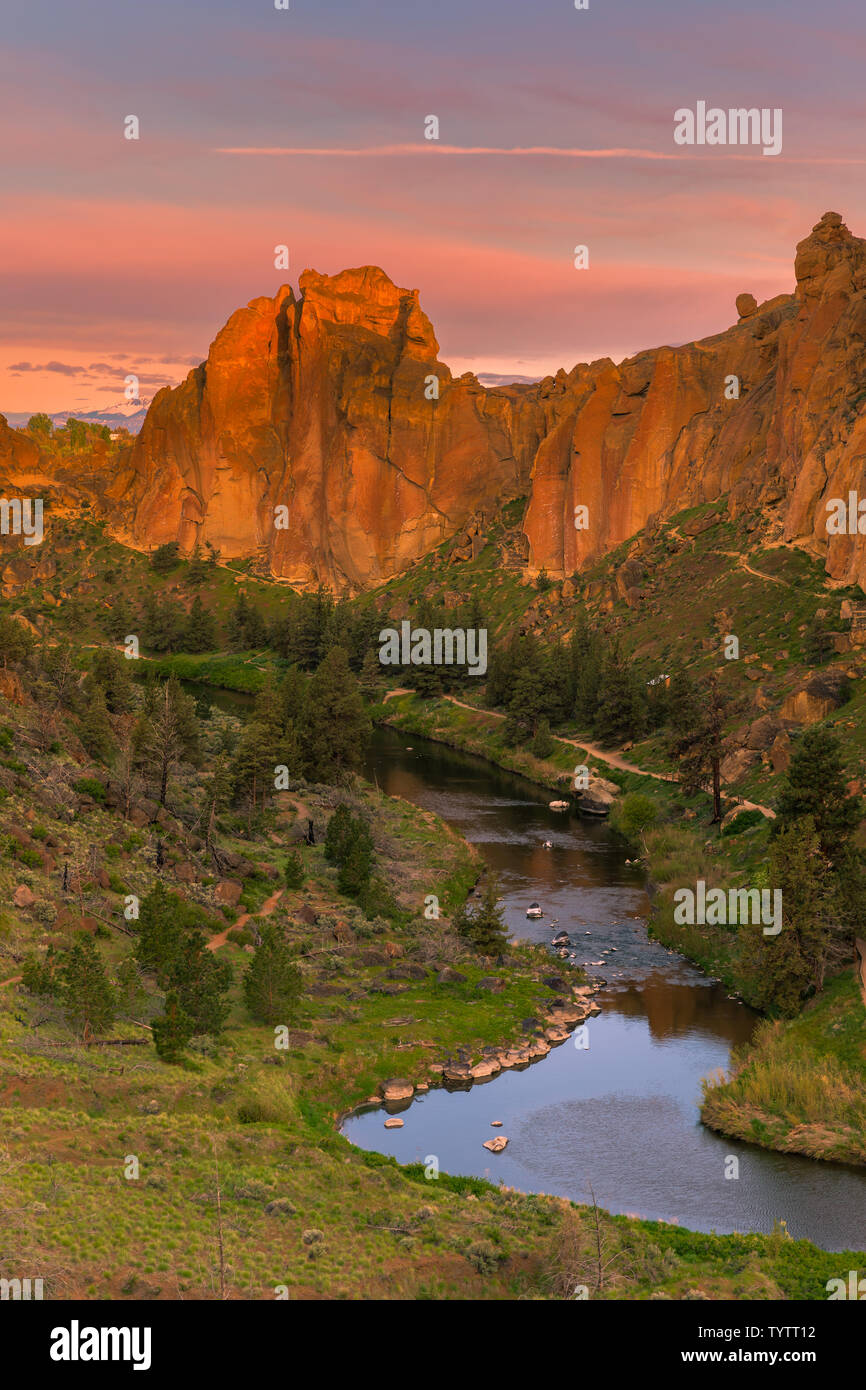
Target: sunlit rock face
{"type": "Point", "coordinates": [666, 429]}
{"type": "Point", "coordinates": [331, 415]}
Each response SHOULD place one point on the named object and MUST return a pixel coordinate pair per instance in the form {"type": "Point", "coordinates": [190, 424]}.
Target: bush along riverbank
{"type": "Point", "coordinates": [801, 1087]}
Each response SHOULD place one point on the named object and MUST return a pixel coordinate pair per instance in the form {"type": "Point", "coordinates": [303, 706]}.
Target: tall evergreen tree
{"type": "Point", "coordinates": [272, 984]}
{"type": "Point", "coordinates": [699, 748]}
{"type": "Point", "coordinates": [170, 734]}
{"type": "Point", "coordinates": [620, 711]}
{"type": "Point", "coordinates": [815, 786]}
{"type": "Point", "coordinates": [94, 726]}
{"type": "Point", "coordinates": [335, 726]}
{"type": "Point", "coordinates": [172, 1030]}
{"type": "Point", "coordinates": [200, 634]}
{"type": "Point", "coordinates": [84, 988]}
{"type": "Point", "coordinates": [112, 672]}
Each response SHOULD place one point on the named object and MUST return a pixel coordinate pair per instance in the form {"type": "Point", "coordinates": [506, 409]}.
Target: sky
{"type": "Point", "coordinates": [305, 127]}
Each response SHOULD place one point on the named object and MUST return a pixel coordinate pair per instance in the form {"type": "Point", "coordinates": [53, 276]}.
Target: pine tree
{"type": "Point", "coordinates": [588, 680]}
{"type": "Point", "coordinates": [781, 970]}
{"type": "Point", "coordinates": [216, 796]}
{"type": "Point", "coordinates": [197, 569]}
{"type": "Point", "coordinates": [370, 677]}
{"type": "Point", "coordinates": [542, 744]}
{"type": "Point", "coordinates": [293, 870]}
{"type": "Point", "coordinates": [202, 982]}
{"type": "Point", "coordinates": [484, 928]}
{"type": "Point", "coordinates": [170, 734]}
{"type": "Point", "coordinates": [684, 705]}
{"type": "Point", "coordinates": [84, 989]}
{"type": "Point", "coordinates": [335, 727]}
{"type": "Point", "coordinates": [620, 711]}
{"type": "Point", "coordinates": [159, 932]}
{"type": "Point", "coordinates": [272, 984]}
{"type": "Point", "coordinates": [527, 696]}
{"type": "Point", "coordinates": [817, 643]}
{"type": "Point", "coordinates": [816, 786]}
{"type": "Point", "coordinates": [355, 870]}
{"type": "Point", "coordinates": [94, 726]}
{"type": "Point", "coordinates": [112, 672]}
{"type": "Point", "coordinates": [200, 634]}
{"type": "Point", "coordinates": [699, 747]}
{"type": "Point", "coordinates": [172, 1030]}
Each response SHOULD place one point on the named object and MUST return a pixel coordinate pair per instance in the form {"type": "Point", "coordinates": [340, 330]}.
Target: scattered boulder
{"type": "Point", "coordinates": [394, 1123]}
{"type": "Point", "coordinates": [448, 976]}
{"type": "Point", "coordinates": [822, 693]}
{"type": "Point", "coordinates": [763, 732]}
{"type": "Point", "coordinates": [396, 1088]}
{"type": "Point", "coordinates": [737, 764]}
{"type": "Point", "coordinates": [599, 796]}
{"type": "Point", "coordinates": [492, 983]}
{"type": "Point", "coordinates": [22, 897]}
{"type": "Point", "coordinates": [496, 1144]}
{"type": "Point", "coordinates": [228, 891]}
{"type": "Point", "coordinates": [488, 1067]}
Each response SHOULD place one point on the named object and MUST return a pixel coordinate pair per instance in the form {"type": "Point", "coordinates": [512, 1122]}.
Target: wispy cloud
{"type": "Point", "coordinates": [434, 149]}
{"type": "Point", "coordinates": [60, 368]}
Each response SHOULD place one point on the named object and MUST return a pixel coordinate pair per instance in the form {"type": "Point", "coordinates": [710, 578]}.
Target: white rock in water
{"type": "Point", "coordinates": [496, 1145]}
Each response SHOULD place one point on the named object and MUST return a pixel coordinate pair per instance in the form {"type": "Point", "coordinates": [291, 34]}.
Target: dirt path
{"type": "Point", "coordinates": [267, 907]}
{"type": "Point", "coordinates": [612, 759]}
{"type": "Point", "coordinates": [741, 564]}
{"type": "Point", "coordinates": [13, 980]}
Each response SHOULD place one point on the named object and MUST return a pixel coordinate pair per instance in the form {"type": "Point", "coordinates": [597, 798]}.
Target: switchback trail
{"type": "Point", "coordinates": [612, 759]}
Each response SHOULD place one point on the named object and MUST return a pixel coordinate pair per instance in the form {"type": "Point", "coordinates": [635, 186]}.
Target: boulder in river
{"type": "Point", "coordinates": [496, 1144]}
{"type": "Point", "coordinates": [396, 1088]}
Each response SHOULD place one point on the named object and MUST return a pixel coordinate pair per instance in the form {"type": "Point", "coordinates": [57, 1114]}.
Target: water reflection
{"type": "Point", "coordinates": [623, 1114]}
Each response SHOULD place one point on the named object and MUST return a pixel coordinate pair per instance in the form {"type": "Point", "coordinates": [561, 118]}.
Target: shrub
{"type": "Point", "coordinates": [293, 870]}
{"type": "Point", "coordinates": [90, 786]}
{"type": "Point", "coordinates": [742, 822]}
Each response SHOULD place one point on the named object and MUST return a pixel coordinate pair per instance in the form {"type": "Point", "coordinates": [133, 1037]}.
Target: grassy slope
{"type": "Point", "coordinates": [71, 1117]}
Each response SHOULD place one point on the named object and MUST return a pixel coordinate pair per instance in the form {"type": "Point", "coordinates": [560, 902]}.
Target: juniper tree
{"type": "Point", "coordinates": [84, 989]}
{"type": "Point", "coordinates": [483, 928]}
{"type": "Point", "coordinates": [272, 984]}
{"type": "Point", "coordinates": [172, 1030]}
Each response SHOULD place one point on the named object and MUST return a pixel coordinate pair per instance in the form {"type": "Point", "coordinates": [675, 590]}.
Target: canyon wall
{"type": "Point", "coordinates": [326, 405]}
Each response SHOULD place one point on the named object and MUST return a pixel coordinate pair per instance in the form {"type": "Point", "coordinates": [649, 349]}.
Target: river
{"type": "Point", "coordinates": [621, 1115]}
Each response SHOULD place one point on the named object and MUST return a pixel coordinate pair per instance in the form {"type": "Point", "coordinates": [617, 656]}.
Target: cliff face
{"type": "Point", "coordinates": [324, 405]}
{"type": "Point", "coordinates": [657, 433]}
{"type": "Point", "coordinates": [321, 405]}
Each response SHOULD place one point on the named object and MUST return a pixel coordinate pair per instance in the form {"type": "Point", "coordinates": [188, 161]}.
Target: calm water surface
{"type": "Point", "coordinates": [622, 1115]}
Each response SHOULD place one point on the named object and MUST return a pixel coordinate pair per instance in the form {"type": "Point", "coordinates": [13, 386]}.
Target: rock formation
{"type": "Point", "coordinates": [335, 407]}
